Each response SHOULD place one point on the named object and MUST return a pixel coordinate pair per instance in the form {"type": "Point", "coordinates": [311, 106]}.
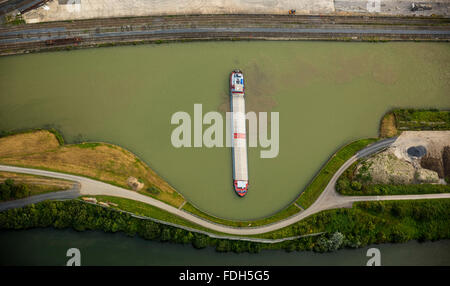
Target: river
{"type": "Point", "coordinates": [49, 246]}
{"type": "Point", "coordinates": [326, 93]}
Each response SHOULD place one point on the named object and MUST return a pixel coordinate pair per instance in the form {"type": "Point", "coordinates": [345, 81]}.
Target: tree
{"type": "Point", "coordinates": [166, 234]}
{"type": "Point", "coordinates": [343, 184]}
{"type": "Point", "coordinates": [200, 241]}
{"type": "Point", "coordinates": [5, 192]}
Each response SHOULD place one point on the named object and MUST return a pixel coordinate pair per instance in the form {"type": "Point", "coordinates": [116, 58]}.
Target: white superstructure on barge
{"type": "Point", "coordinates": [239, 140]}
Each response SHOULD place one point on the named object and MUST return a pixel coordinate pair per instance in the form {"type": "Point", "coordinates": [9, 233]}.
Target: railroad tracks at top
{"type": "Point", "coordinates": [33, 36]}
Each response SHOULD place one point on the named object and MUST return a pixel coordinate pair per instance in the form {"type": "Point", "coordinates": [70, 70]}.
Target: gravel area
{"type": "Point", "coordinates": [57, 10]}
{"type": "Point", "coordinates": [433, 141]}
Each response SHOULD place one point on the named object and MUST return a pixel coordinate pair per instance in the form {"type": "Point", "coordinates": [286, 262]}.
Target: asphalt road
{"type": "Point", "coordinates": [329, 199]}
{"type": "Point", "coordinates": [62, 195]}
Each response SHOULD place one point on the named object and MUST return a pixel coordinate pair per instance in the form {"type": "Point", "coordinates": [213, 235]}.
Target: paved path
{"type": "Point", "coordinates": [329, 199]}
{"type": "Point", "coordinates": [62, 195]}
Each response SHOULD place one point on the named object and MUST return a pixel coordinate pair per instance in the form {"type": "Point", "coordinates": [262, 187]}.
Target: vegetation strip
{"type": "Point", "coordinates": [422, 119]}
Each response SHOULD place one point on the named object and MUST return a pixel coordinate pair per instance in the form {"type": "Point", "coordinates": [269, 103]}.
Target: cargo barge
{"type": "Point", "coordinates": [239, 140]}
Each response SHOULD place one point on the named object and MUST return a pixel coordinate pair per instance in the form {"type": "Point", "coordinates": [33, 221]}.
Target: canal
{"type": "Point", "coordinates": [49, 247]}
{"type": "Point", "coordinates": [326, 93]}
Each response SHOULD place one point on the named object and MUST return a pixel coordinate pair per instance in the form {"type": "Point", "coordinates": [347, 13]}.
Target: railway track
{"type": "Point", "coordinates": [236, 19]}
{"type": "Point", "coordinates": [38, 45]}
{"type": "Point", "coordinates": [31, 37]}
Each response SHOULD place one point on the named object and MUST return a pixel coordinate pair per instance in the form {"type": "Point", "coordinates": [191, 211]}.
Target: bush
{"type": "Point", "coordinates": [356, 185]}
{"type": "Point", "coordinates": [342, 184]}
{"type": "Point", "coordinates": [153, 190]}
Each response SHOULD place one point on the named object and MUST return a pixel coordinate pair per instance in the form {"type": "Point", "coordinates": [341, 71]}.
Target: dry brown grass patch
{"type": "Point", "coordinates": [388, 126]}
{"type": "Point", "coordinates": [26, 143]}
{"type": "Point", "coordinates": [105, 162]}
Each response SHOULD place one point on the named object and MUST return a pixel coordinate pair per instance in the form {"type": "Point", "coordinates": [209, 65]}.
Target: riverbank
{"type": "Point", "coordinates": [68, 35]}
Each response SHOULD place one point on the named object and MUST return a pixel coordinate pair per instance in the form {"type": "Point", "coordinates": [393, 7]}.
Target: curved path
{"type": "Point", "coordinates": [329, 199]}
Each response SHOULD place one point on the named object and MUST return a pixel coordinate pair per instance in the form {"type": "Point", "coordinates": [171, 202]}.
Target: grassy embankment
{"type": "Point", "coordinates": [18, 186]}
{"type": "Point", "coordinates": [285, 213]}
{"type": "Point", "coordinates": [318, 184]}
{"type": "Point", "coordinates": [46, 150]}
{"type": "Point", "coordinates": [392, 124]}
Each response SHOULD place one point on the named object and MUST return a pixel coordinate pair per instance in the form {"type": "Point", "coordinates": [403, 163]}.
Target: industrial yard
{"type": "Point", "coordinates": [59, 10]}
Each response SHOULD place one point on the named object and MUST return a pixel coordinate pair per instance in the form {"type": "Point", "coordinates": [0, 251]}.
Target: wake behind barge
{"type": "Point", "coordinates": [239, 141]}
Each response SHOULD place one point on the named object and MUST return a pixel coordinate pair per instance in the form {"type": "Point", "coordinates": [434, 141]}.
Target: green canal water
{"type": "Point", "coordinates": [327, 94]}
{"type": "Point", "coordinates": [49, 247]}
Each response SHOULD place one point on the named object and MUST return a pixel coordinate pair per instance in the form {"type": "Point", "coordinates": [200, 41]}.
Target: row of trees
{"type": "Point", "coordinates": [81, 216]}
{"type": "Point", "coordinates": [364, 224]}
